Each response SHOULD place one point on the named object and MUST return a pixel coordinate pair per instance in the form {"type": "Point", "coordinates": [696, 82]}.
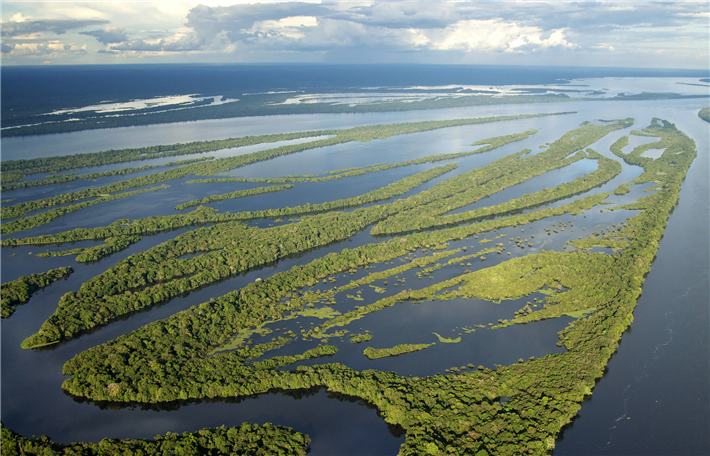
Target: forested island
{"type": "Point", "coordinates": [248, 439]}
{"type": "Point", "coordinates": [211, 350]}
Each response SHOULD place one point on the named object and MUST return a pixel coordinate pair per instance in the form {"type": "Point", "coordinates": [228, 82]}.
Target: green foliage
{"type": "Point", "coordinates": [377, 353]}
{"type": "Point", "coordinates": [324, 350]}
{"type": "Point", "coordinates": [91, 254]}
{"type": "Point", "coordinates": [622, 189]}
{"type": "Point", "coordinates": [71, 177]}
{"type": "Point", "coordinates": [447, 340]}
{"type": "Point", "coordinates": [704, 114]}
{"type": "Point", "coordinates": [233, 195]}
{"type": "Point", "coordinates": [357, 338]}
{"type": "Point", "coordinates": [247, 440]}
{"type": "Point", "coordinates": [19, 291]}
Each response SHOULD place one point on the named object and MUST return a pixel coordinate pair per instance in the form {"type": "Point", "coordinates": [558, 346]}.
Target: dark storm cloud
{"type": "Point", "coordinates": [235, 21]}
{"type": "Point", "coordinates": [547, 15]}
{"type": "Point", "coordinates": [599, 16]}
{"type": "Point", "coordinates": [58, 26]}
{"type": "Point", "coordinates": [406, 15]}
{"type": "Point", "coordinates": [107, 35]}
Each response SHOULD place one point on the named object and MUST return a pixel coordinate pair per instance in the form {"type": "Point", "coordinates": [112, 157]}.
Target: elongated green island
{"type": "Point", "coordinates": [376, 353]}
{"type": "Point", "coordinates": [247, 439]}
{"type": "Point", "coordinates": [20, 291]}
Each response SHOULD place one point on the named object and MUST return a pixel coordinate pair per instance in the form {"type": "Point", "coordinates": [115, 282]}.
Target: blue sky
{"type": "Point", "coordinates": [624, 34]}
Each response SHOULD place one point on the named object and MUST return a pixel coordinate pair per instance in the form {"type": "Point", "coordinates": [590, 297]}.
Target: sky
{"type": "Point", "coordinates": [557, 33]}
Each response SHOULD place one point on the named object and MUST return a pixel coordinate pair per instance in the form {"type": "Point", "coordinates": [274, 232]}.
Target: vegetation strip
{"type": "Point", "coordinates": [377, 353]}
{"type": "Point", "coordinates": [247, 439]}
{"type": "Point", "coordinates": [20, 291]}
{"type": "Point", "coordinates": [109, 157]}
{"type": "Point", "coordinates": [278, 361]}
{"type": "Point", "coordinates": [233, 195]}
{"type": "Point", "coordinates": [66, 178]}
{"type": "Point", "coordinates": [91, 254]}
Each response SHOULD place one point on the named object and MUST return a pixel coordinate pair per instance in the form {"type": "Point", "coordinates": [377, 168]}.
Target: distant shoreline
{"type": "Point", "coordinates": [30, 93]}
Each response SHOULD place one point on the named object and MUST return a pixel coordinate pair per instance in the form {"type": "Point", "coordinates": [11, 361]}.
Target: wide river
{"type": "Point", "coordinates": [652, 400]}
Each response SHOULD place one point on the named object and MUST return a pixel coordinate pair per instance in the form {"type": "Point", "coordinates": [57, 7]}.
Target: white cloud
{"type": "Point", "coordinates": [702, 15]}
{"type": "Point", "coordinates": [604, 46]}
{"type": "Point", "coordinates": [288, 27]}
{"type": "Point", "coordinates": [489, 36]}
{"type": "Point", "coordinates": [48, 50]}
{"type": "Point", "coordinates": [18, 17]}
{"type": "Point", "coordinates": [181, 41]}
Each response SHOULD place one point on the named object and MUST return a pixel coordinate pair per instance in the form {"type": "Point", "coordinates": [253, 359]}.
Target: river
{"type": "Point", "coordinates": [653, 399]}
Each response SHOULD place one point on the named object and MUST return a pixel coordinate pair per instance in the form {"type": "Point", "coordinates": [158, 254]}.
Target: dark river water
{"type": "Point", "coordinates": [653, 399]}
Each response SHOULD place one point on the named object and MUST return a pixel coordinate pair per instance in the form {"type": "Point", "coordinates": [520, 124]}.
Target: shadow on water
{"type": "Point", "coordinates": [337, 423]}
{"type": "Point", "coordinates": [297, 394]}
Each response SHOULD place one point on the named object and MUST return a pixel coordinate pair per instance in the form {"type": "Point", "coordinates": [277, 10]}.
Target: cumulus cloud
{"type": "Point", "coordinates": [288, 27]}
{"type": "Point", "coordinates": [28, 38]}
{"type": "Point", "coordinates": [180, 42]}
{"type": "Point", "coordinates": [107, 35]}
{"type": "Point", "coordinates": [604, 46]}
{"type": "Point", "coordinates": [46, 50]}
{"type": "Point", "coordinates": [493, 36]}
{"type": "Point", "coordinates": [140, 45]}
